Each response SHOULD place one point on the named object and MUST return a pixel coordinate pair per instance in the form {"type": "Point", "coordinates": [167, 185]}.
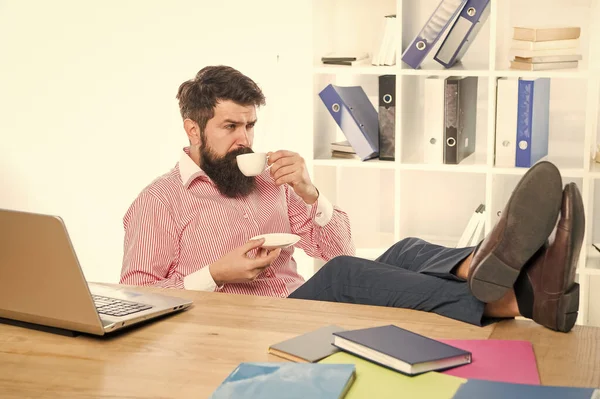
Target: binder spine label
{"type": "Point", "coordinates": [387, 144]}
{"type": "Point", "coordinates": [387, 117]}
{"type": "Point", "coordinates": [524, 120]}
{"type": "Point", "coordinates": [451, 122]}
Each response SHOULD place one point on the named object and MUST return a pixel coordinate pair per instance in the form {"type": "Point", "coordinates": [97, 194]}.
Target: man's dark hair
{"type": "Point", "coordinates": [198, 97]}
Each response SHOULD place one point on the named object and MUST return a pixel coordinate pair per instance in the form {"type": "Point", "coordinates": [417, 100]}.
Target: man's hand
{"type": "Point", "coordinates": [237, 267]}
{"type": "Point", "coordinates": [289, 168]}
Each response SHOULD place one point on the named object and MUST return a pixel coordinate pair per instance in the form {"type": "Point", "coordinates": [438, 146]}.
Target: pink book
{"type": "Point", "coordinates": [497, 360]}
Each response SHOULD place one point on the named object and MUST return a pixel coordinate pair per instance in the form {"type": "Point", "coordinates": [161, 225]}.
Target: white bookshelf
{"type": "Point", "coordinates": [391, 200]}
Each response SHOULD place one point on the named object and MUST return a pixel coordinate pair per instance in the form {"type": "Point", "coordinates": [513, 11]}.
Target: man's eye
{"type": "Point", "coordinates": [230, 126]}
{"type": "Point", "coordinates": [251, 126]}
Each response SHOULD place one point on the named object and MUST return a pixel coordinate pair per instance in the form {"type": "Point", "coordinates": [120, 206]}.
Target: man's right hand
{"type": "Point", "coordinates": [237, 267]}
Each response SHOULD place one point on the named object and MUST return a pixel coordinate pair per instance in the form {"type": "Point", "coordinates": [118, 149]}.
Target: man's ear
{"type": "Point", "coordinates": [193, 131]}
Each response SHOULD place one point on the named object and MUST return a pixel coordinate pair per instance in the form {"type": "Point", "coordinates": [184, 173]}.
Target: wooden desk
{"type": "Point", "coordinates": [188, 355]}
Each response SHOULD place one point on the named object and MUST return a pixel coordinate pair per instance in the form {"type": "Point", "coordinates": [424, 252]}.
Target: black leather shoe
{"type": "Point", "coordinates": [525, 224]}
{"type": "Point", "coordinates": [546, 290]}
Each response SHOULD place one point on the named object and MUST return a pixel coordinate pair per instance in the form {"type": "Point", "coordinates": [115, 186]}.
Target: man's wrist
{"type": "Point", "coordinates": [214, 272]}
{"type": "Point", "coordinates": [312, 196]}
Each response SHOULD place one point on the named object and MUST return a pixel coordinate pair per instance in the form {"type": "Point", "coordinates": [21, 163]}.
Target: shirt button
{"type": "Point", "coordinates": [282, 295]}
{"type": "Point", "coordinates": [245, 216]}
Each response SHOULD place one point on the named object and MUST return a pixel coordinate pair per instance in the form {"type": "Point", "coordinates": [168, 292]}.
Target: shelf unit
{"type": "Point", "coordinates": [389, 200]}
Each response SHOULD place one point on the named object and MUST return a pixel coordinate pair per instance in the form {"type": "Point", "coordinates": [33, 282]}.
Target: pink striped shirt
{"type": "Point", "coordinates": [180, 224]}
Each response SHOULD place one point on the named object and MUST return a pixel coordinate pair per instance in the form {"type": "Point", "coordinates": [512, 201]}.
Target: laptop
{"type": "Point", "coordinates": [42, 284]}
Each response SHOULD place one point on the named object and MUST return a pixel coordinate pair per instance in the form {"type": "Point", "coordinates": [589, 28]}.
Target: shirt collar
{"type": "Point", "coordinates": [188, 169]}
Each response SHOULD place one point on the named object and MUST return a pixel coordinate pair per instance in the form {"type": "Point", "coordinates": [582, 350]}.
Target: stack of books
{"type": "Point", "coordinates": [390, 362]}
{"type": "Point", "coordinates": [350, 59]}
{"type": "Point", "coordinates": [386, 53]}
{"type": "Point", "coordinates": [343, 149]}
{"type": "Point", "coordinates": [543, 48]}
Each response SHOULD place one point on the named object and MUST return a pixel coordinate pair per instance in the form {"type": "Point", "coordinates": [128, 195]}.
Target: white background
{"type": "Point", "coordinates": [88, 115]}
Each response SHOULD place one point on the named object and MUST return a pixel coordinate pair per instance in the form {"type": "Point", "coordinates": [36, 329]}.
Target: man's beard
{"type": "Point", "coordinates": [224, 172]}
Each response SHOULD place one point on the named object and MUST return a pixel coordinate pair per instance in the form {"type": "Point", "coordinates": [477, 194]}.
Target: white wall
{"type": "Point", "coordinates": [88, 114]}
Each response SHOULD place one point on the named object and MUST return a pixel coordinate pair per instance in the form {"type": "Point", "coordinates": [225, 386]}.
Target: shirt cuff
{"type": "Point", "coordinates": [324, 211]}
{"type": "Point", "coordinates": [200, 280]}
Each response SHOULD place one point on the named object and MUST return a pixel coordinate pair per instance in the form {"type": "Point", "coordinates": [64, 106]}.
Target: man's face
{"type": "Point", "coordinates": [231, 128]}
{"type": "Point", "coordinates": [229, 133]}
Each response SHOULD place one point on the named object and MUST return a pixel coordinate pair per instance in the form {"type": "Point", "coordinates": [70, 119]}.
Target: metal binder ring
{"type": "Point", "coordinates": [387, 98]}
{"type": "Point", "coordinates": [335, 107]}
{"type": "Point", "coordinates": [421, 45]}
{"type": "Point", "coordinates": [523, 145]}
{"type": "Point", "coordinates": [451, 141]}
{"type": "Point", "coordinates": [471, 11]}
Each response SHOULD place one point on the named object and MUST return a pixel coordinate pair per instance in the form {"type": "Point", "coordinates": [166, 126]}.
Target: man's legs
{"type": "Point", "coordinates": [410, 278]}
{"type": "Point", "coordinates": [421, 256]}
{"type": "Point", "coordinates": [355, 280]}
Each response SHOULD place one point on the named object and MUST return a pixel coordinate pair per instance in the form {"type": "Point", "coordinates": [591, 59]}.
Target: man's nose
{"type": "Point", "coordinates": [243, 138]}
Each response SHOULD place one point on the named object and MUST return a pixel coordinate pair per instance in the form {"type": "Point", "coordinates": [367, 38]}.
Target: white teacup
{"type": "Point", "coordinates": [252, 164]}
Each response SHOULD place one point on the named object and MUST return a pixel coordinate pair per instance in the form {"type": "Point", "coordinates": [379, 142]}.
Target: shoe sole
{"type": "Point", "coordinates": [567, 309]}
{"type": "Point", "coordinates": [568, 303]}
{"type": "Point", "coordinates": [576, 234]}
{"type": "Point", "coordinates": [532, 212]}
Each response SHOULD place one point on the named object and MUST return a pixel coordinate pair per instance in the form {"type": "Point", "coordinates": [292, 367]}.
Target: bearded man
{"type": "Point", "coordinates": [192, 228]}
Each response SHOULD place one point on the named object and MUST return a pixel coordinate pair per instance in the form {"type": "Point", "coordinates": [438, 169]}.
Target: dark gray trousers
{"type": "Point", "coordinates": [412, 274]}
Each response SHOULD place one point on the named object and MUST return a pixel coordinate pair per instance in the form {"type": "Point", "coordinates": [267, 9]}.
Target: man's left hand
{"type": "Point", "coordinates": [288, 167]}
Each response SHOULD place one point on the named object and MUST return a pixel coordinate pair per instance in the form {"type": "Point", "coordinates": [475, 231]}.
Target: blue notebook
{"type": "Point", "coordinates": [287, 381]}
{"type": "Point", "coordinates": [503, 390]}
{"type": "Point", "coordinates": [400, 349]}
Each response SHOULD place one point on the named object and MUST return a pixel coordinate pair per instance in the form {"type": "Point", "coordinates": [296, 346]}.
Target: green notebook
{"type": "Point", "coordinates": [374, 381]}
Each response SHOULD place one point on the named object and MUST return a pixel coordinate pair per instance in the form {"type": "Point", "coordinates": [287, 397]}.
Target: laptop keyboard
{"type": "Point", "coordinates": [117, 307]}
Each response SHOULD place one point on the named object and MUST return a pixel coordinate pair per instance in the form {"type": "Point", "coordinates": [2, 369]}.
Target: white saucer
{"type": "Point", "coordinates": [277, 240]}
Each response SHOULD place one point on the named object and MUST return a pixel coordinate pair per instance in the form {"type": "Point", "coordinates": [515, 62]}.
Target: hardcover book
{"type": "Point", "coordinates": [310, 347]}
{"type": "Point", "coordinates": [400, 349]}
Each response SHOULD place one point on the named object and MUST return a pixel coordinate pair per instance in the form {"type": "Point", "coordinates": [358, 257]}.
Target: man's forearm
{"type": "Point", "coordinates": [201, 280]}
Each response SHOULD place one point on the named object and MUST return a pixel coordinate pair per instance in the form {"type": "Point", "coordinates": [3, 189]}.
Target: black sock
{"type": "Point", "coordinates": [524, 295]}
